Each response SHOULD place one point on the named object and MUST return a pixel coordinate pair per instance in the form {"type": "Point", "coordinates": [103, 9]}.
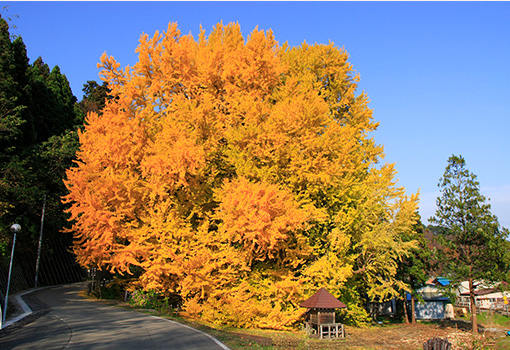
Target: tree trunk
{"type": "Point", "coordinates": [413, 312]}
{"type": "Point", "coordinates": [406, 316]}
{"type": "Point", "coordinates": [474, 320]}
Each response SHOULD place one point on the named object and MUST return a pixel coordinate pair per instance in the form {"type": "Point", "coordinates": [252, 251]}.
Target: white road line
{"type": "Point", "coordinates": [223, 346]}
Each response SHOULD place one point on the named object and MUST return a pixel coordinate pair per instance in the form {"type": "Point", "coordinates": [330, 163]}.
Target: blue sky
{"type": "Point", "coordinates": [437, 73]}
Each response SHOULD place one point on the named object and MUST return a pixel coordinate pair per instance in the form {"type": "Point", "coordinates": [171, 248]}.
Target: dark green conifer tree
{"type": "Point", "coordinates": [38, 141]}
{"type": "Point", "coordinates": [474, 242]}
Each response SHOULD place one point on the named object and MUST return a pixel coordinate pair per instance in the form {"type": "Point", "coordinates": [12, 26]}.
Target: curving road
{"type": "Point", "coordinates": [64, 320]}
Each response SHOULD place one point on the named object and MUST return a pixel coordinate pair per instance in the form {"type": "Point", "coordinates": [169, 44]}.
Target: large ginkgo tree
{"type": "Point", "coordinates": [241, 175]}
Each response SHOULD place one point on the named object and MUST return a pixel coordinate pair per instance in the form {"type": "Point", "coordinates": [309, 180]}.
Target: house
{"type": "Point", "coordinates": [487, 296]}
{"type": "Point", "coordinates": [435, 305]}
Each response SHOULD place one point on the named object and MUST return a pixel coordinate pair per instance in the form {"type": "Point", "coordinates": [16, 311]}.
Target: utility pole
{"type": "Point", "coordinates": [40, 243]}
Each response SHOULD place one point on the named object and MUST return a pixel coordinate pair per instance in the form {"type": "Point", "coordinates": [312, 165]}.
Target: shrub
{"type": "Point", "coordinates": [354, 315]}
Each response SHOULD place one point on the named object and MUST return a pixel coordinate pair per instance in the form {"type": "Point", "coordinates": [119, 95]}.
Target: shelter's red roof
{"type": "Point", "coordinates": [322, 299]}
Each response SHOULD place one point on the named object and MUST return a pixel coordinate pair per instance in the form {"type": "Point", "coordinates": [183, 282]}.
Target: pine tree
{"type": "Point", "coordinates": [37, 143]}
{"type": "Point", "coordinates": [95, 97]}
{"type": "Point", "coordinates": [475, 242]}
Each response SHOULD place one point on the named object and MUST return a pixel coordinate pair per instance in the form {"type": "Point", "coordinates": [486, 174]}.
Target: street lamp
{"type": "Point", "coordinates": [15, 229]}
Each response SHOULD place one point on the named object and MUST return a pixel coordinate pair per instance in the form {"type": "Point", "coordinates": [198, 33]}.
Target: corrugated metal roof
{"type": "Point", "coordinates": [322, 299]}
{"type": "Point", "coordinates": [443, 281]}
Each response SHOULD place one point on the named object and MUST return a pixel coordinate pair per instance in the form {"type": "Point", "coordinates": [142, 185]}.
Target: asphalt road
{"type": "Point", "coordinates": [64, 320]}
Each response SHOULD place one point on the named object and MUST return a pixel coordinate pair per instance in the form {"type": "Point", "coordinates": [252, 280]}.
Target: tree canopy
{"type": "Point", "coordinates": [95, 97]}
{"type": "Point", "coordinates": [241, 175]}
{"type": "Point", "coordinates": [474, 242]}
{"type": "Point", "coordinates": [38, 142]}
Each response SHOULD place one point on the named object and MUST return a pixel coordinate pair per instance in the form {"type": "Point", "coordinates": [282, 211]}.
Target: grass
{"type": "Point", "coordinates": [490, 319]}
{"type": "Point", "coordinates": [503, 344]}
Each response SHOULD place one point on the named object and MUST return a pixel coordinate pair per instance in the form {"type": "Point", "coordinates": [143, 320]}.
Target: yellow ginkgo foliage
{"type": "Point", "coordinates": [239, 174]}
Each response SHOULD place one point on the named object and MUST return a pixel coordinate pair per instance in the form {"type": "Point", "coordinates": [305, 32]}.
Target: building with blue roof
{"type": "Point", "coordinates": [435, 304]}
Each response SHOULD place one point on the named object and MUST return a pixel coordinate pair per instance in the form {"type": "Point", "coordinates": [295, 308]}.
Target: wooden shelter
{"type": "Point", "coordinates": [320, 317]}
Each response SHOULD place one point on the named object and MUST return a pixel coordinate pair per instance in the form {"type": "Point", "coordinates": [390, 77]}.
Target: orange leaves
{"type": "Point", "coordinates": [237, 173]}
{"type": "Point", "coordinates": [260, 301]}
{"type": "Point", "coordinates": [258, 216]}
{"type": "Point", "coordinates": [171, 159]}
